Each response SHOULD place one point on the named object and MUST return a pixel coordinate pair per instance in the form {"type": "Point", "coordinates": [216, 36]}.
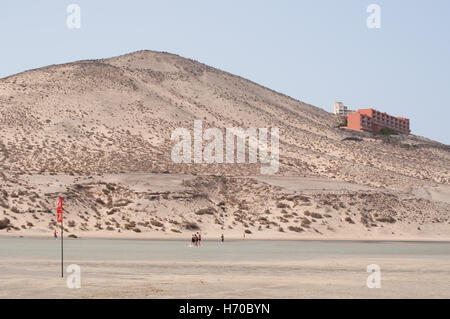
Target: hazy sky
{"type": "Point", "coordinates": [317, 51]}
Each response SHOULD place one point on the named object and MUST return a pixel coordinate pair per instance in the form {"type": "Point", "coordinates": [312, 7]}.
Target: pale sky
{"type": "Point", "coordinates": [317, 51]}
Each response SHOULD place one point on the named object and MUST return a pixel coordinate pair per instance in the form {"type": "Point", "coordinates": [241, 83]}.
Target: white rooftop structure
{"type": "Point", "coordinates": [340, 109]}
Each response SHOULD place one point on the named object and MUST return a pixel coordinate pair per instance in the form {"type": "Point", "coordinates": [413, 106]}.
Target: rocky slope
{"type": "Point", "coordinates": [91, 119]}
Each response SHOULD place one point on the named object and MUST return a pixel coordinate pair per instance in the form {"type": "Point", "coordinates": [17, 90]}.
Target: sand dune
{"type": "Point", "coordinates": [98, 133]}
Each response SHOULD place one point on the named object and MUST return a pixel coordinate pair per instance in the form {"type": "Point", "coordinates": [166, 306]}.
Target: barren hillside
{"type": "Point", "coordinates": [97, 118]}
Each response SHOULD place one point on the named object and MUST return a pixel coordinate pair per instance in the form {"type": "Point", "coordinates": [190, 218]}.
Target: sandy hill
{"type": "Point", "coordinates": [114, 117]}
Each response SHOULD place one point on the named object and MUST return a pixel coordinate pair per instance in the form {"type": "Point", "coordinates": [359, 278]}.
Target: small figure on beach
{"type": "Point", "coordinates": [193, 239]}
{"type": "Point", "coordinates": [222, 238]}
{"type": "Point", "coordinates": [199, 238]}
{"type": "Point", "coordinates": [55, 235]}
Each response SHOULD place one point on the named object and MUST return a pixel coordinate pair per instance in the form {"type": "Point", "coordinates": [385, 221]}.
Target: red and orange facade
{"type": "Point", "coordinates": [370, 120]}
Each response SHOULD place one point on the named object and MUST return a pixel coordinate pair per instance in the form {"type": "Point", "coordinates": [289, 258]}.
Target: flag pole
{"type": "Point", "coordinates": [59, 213]}
{"type": "Point", "coordinates": [62, 249]}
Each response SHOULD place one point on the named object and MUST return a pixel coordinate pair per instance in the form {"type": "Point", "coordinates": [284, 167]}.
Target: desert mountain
{"type": "Point", "coordinates": [89, 122]}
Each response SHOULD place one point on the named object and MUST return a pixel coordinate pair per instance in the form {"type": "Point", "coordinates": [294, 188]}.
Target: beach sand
{"type": "Point", "coordinates": [236, 269]}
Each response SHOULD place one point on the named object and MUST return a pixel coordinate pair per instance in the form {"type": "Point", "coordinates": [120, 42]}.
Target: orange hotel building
{"type": "Point", "coordinates": [370, 120]}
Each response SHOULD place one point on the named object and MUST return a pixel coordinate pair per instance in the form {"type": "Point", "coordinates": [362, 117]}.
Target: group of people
{"type": "Point", "coordinates": [197, 238]}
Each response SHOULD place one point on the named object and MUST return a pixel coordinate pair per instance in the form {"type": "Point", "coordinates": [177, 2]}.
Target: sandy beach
{"type": "Point", "coordinates": [117, 268]}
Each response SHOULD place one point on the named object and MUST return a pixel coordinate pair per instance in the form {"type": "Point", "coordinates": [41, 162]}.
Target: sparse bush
{"type": "Point", "coordinates": [305, 222]}
{"type": "Point", "coordinates": [352, 138]}
{"type": "Point", "coordinates": [385, 132]}
{"type": "Point", "coordinates": [316, 215]}
{"type": "Point", "coordinates": [342, 123]}
{"type": "Point", "coordinates": [304, 198]}
{"type": "Point", "coordinates": [4, 223]}
{"type": "Point", "coordinates": [190, 225]}
{"type": "Point", "coordinates": [3, 204]}
{"type": "Point", "coordinates": [129, 225]}
{"type": "Point", "coordinates": [283, 220]}
{"type": "Point", "coordinates": [100, 201]}
{"type": "Point", "coordinates": [349, 219]}
{"type": "Point", "coordinates": [295, 229]}
{"type": "Point", "coordinates": [388, 219]}
{"type": "Point", "coordinates": [112, 211]}
{"type": "Point", "coordinates": [157, 223]}
{"type": "Point", "coordinates": [122, 202]}
{"type": "Point", "coordinates": [207, 211]}
{"type": "Point", "coordinates": [282, 205]}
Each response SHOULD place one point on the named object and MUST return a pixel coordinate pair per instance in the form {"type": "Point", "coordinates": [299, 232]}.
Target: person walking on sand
{"type": "Point", "coordinates": [193, 239]}
{"type": "Point", "coordinates": [196, 240]}
{"type": "Point", "coordinates": [222, 238]}
{"type": "Point", "coordinates": [199, 238]}
{"type": "Point", "coordinates": [55, 235]}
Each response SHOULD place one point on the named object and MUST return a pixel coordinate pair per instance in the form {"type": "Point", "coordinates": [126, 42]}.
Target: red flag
{"type": "Point", "coordinates": [59, 210]}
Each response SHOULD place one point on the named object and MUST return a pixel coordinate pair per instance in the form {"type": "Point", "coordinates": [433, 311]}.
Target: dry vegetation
{"type": "Point", "coordinates": [71, 124]}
